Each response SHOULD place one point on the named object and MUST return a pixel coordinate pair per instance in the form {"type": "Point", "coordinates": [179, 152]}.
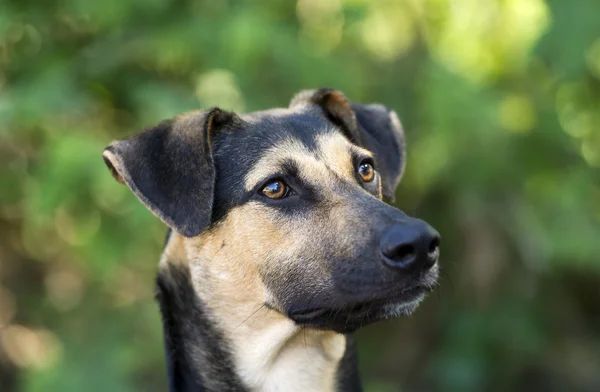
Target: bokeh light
{"type": "Point", "coordinates": [500, 102]}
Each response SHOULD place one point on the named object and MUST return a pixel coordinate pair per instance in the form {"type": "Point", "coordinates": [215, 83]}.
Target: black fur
{"type": "Point", "coordinates": [197, 354]}
{"type": "Point", "coordinates": [347, 375]}
{"type": "Point", "coordinates": [380, 136]}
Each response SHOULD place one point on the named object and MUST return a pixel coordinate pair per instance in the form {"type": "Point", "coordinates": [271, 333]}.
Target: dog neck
{"type": "Point", "coordinates": [241, 346]}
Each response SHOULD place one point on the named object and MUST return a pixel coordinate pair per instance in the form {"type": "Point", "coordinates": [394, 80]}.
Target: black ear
{"type": "Point", "coordinates": [374, 127]}
{"type": "Point", "coordinates": [170, 168]}
{"type": "Point", "coordinates": [382, 133]}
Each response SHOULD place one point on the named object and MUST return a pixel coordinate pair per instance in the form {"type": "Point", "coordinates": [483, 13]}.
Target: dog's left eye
{"type": "Point", "coordinates": [366, 172]}
{"type": "Point", "coordinates": [276, 190]}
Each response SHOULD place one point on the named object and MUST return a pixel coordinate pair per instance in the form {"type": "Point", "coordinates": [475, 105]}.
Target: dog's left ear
{"type": "Point", "coordinates": [374, 127]}
{"type": "Point", "coordinates": [170, 168]}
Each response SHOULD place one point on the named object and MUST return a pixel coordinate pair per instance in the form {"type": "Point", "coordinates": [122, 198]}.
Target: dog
{"type": "Point", "coordinates": [280, 245]}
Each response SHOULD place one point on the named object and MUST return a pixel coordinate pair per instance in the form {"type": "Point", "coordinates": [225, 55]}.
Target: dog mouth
{"type": "Point", "coordinates": [350, 316]}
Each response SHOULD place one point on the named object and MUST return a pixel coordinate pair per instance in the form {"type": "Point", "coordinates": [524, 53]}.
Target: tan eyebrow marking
{"type": "Point", "coordinates": [334, 154]}
{"type": "Point", "coordinates": [272, 160]}
{"type": "Point", "coordinates": [337, 153]}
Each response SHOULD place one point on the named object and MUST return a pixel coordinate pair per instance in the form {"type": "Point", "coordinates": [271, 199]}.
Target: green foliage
{"type": "Point", "coordinates": [500, 100]}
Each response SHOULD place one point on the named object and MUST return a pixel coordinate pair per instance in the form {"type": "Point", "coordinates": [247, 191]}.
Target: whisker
{"type": "Point", "coordinates": [248, 318]}
{"type": "Point", "coordinates": [339, 309]}
{"type": "Point", "coordinates": [217, 252]}
{"type": "Point", "coordinates": [366, 315]}
{"type": "Point", "coordinates": [305, 344]}
{"type": "Point", "coordinates": [447, 276]}
{"type": "Point", "coordinates": [304, 329]}
{"type": "Point", "coordinates": [348, 315]}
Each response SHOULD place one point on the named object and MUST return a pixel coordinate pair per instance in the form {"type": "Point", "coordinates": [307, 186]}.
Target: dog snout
{"type": "Point", "coordinates": [410, 246]}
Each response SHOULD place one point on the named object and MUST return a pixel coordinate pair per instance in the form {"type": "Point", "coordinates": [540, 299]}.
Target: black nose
{"type": "Point", "coordinates": [413, 245]}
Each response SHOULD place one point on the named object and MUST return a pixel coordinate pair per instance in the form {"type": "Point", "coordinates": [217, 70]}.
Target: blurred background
{"type": "Point", "coordinates": [500, 100]}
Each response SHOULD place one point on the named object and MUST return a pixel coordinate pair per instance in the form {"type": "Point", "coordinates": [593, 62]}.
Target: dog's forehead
{"type": "Point", "coordinates": [276, 133]}
{"type": "Point", "coordinates": [269, 127]}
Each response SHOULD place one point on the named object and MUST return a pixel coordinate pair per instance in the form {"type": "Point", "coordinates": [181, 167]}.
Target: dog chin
{"type": "Point", "coordinates": [401, 309]}
{"type": "Point", "coordinates": [385, 311]}
{"type": "Point", "coordinates": [351, 318]}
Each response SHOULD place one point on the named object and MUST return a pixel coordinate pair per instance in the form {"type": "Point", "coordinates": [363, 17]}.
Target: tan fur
{"type": "Point", "coordinates": [175, 252]}
{"type": "Point", "coordinates": [270, 352]}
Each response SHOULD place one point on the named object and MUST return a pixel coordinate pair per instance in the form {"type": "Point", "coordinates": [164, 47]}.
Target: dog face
{"type": "Point", "coordinates": [284, 208]}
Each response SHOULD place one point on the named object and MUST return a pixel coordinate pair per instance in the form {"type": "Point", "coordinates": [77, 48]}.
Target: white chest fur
{"type": "Point", "coordinates": [283, 357]}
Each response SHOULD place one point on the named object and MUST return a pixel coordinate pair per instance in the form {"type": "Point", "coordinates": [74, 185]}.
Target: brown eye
{"type": "Point", "coordinates": [366, 172]}
{"type": "Point", "coordinates": [275, 190]}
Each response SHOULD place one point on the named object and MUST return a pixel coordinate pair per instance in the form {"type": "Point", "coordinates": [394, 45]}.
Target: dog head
{"type": "Point", "coordinates": [284, 208]}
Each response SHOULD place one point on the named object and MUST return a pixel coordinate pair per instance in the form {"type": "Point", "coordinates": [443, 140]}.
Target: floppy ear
{"type": "Point", "coordinates": [170, 168]}
{"type": "Point", "coordinates": [374, 127]}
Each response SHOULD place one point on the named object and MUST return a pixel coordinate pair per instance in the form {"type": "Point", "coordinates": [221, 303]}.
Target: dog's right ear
{"type": "Point", "coordinates": [170, 168]}
{"type": "Point", "coordinates": [374, 127]}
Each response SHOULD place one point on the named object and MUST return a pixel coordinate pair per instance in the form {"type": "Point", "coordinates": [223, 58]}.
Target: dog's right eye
{"type": "Point", "coordinates": [275, 190]}
{"type": "Point", "coordinates": [366, 172]}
